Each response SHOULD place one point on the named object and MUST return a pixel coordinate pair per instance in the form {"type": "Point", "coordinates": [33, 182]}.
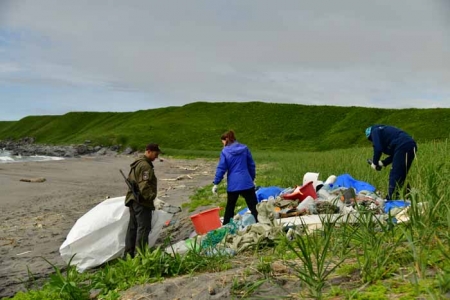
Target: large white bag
{"type": "Point", "coordinates": [99, 235]}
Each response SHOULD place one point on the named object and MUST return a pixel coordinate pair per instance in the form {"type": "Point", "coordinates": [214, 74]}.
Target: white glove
{"type": "Point", "coordinates": [380, 163]}
{"type": "Point", "coordinates": [375, 167]}
{"type": "Point", "coordinates": [214, 189]}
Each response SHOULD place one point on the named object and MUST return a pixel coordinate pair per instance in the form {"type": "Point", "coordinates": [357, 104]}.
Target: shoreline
{"type": "Point", "coordinates": [18, 159]}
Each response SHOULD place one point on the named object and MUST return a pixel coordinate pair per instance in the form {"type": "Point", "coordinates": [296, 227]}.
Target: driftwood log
{"type": "Point", "coordinates": [38, 179]}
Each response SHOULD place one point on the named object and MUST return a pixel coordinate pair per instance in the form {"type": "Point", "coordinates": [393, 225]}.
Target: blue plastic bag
{"type": "Point", "coordinates": [390, 204]}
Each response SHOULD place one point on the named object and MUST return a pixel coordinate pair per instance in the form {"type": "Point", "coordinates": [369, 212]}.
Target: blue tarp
{"type": "Point", "coordinates": [390, 204]}
{"type": "Point", "coordinates": [347, 181]}
{"type": "Point", "coordinates": [243, 211]}
{"type": "Point", "coordinates": [264, 193]}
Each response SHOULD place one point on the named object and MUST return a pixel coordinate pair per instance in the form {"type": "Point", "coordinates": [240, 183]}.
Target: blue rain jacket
{"type": "Point", "coordinates": [387, 139]}
{"type": "Point", "coordinates": [237, 161]}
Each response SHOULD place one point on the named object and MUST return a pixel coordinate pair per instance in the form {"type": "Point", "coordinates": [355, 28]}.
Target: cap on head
{"type": "Point", "coordinates": [153, 147]}
{"type": "Point", "coordinates": [368, 131]}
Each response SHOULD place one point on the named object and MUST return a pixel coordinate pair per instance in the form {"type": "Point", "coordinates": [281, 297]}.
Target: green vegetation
{"type": "Point", "coordinates": [367, 260]}
{"type": "Point", "coordinates": [317, 253]}
{"type": "Point", "coordinates": [262, 126]}
{"type": "Point", "coordinates": [150, 265]}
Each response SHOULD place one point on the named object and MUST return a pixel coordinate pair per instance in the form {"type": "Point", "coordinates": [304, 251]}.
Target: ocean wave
{"type": "Point", "coordinates": [6, 158]}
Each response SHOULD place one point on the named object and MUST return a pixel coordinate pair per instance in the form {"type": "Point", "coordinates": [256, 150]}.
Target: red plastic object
{"type": "Point", "coordinates": [301, 192]}
{"type": "Point", "coordinates": [206, 220]}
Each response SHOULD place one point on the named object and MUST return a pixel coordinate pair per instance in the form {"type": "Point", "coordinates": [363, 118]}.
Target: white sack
{"type": "Point", "coordinates": [311, 176]}
{"type": "Point", "coordinates": [159, 218]}
{"type": "Point", "coordinates": [99, 235]}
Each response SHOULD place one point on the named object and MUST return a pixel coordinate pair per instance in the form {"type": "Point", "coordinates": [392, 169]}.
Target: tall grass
{"type": "Point", "coordinates": [411, 259]}
{"type": "Point", "coordinates": [317, 253]}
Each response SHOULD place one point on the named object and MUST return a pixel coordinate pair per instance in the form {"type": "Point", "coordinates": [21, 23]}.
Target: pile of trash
{"type": "Point", "coordinates": [341, 194]}
{"type": "Point", "coordinates": [99, 235]}
{"type": "Point", "coordinates": [338, 199]}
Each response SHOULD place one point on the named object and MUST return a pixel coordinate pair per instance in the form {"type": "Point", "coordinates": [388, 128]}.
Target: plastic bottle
{"type": "Point", "coordinates": [304, 205]}
{"type": "Point", "coordinates": [248, 219]}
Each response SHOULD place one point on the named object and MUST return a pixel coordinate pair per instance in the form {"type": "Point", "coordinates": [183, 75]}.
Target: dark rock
{"type": "Point", "coordinates": [101, 151]}
{"type": "Point", "coordinates": [27, 147]}
{"type": "Point", "coordinates": [70, 153]}
{"type": "Point", "coordinates": [82, 149]}
{"type": "Point", "coordinates": [114, 148]}
{"type": "Point", "coordinates": [127, 151]}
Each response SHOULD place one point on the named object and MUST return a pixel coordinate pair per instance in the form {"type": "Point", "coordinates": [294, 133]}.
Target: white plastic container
{"type": "Point", "coordinates": [305, 204]}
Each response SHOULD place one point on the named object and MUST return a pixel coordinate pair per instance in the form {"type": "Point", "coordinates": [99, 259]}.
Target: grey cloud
{"type": "Point", "coordinates": [338, 53]}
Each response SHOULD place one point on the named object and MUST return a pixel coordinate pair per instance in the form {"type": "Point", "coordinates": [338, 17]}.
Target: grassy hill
{"type": "Point", "coordinates": [262, 126]}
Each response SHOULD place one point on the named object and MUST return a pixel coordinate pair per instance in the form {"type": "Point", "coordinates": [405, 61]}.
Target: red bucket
{"type": "Point", "coordinates": [301, 192]}
{"type": "Point", "coordinates": [308, 190]}
{"type": "Point", "coordinates": [206, 220]}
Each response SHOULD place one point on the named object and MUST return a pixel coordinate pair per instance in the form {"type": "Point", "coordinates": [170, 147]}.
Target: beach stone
{"type": "Point", "coordinates": [93, 294]}
{"type": "Point", "coordinates": [82, 149]}
{"type": "Point", "coordinates": [127, 151]}
{"type": "Point", "coordinates": [101, 151]}
{"type": "Point", "coordinates": [115, 147]}
{"type": "Point", "coordinates": [70, 152]}
{"type": "Point", "coordinates": [212, 289]}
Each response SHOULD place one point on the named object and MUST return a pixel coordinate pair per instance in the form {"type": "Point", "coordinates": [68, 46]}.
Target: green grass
{"type": "Point", "coordinates": [198, 126]}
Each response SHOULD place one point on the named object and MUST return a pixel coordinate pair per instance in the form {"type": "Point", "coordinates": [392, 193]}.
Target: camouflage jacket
{"type": "Point", "coordinates": [143, 173]}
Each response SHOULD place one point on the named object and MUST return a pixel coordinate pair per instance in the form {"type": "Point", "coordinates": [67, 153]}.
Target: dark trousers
{"type": "Point", "coordinates": [250, 198]}
{"type": "Point", "coordinates": [139, 228]}
{"type": "Point", "coordinates": [401, 163]}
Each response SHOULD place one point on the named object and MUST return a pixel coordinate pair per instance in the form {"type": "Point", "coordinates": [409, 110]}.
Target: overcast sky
{"type": "Point", "coordinates": [84, 55]}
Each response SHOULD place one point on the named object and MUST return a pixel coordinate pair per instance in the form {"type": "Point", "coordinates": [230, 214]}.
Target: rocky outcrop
{"type": "Point", "coordinates": [27, 147]}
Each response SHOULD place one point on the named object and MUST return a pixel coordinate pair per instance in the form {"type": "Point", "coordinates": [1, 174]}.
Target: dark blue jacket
{"type": "Point", "coordinates": [237, 161]}
{"type": "Point", "coordinates": [387, 139]}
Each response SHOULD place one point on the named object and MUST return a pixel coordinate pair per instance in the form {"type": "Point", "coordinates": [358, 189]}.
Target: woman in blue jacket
{"type": "Point", "coordinates": [401, 150]}
{"type": "Point", "coordinates": [237, 161]}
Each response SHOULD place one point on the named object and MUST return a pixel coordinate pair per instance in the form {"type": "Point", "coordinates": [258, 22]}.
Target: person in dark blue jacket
{"type": "Point", "coordinates": [237, 161]}
{"type": "Point", "coordinates": [401, 150]}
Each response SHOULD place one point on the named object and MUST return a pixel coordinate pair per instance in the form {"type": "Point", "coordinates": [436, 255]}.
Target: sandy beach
{"type": "Point", "coordinates": [36, 216]}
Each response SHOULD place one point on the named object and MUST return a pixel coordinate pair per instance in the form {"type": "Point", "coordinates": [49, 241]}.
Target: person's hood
{"type": "Point", "coordinates": [235, 148]}
{"type": "Point", "coordinates": [134, 164]}
{"type": "Point", "coordinates": [368, 132]}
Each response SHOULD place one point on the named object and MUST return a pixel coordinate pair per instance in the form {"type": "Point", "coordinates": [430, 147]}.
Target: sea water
{"type": "Point", "coordinates": [7, 157]}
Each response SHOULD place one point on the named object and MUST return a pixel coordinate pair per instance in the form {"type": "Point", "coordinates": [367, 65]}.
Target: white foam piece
{"type": "Point", "coordinates": [313, 222]}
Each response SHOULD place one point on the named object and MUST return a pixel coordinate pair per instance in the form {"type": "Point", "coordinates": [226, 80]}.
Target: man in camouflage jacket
{"type": "Point", "coordinates": [139, 226]}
